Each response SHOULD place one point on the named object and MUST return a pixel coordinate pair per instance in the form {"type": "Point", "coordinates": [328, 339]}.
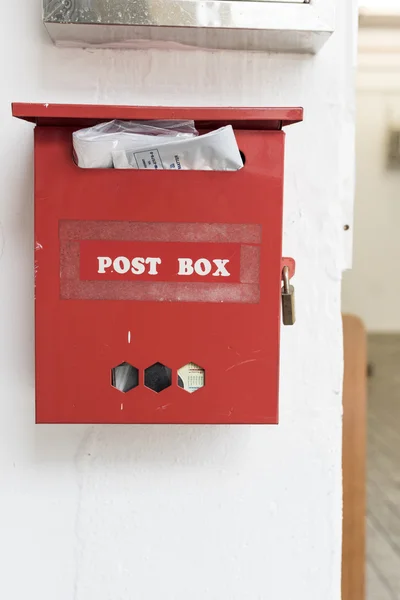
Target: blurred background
{"type": "Point", "coordinates": [372, 289]}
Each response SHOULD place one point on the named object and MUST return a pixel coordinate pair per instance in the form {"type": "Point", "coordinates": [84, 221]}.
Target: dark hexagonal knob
{"type": "Point", "coordinates": [157, 377]}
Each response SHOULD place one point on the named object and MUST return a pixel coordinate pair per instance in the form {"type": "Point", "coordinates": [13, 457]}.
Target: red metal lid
{"type": "Point", "coordinates": [86, 114]}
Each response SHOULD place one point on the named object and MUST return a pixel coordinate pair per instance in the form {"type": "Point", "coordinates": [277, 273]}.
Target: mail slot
{"type": "Point", "coordinates": [166, 281]}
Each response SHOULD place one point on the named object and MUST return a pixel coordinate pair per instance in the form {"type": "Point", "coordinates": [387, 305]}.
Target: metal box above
{"type": "Point", "coordinates": [265, 25]}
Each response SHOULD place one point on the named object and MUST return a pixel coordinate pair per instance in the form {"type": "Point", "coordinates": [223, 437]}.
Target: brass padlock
{"type": "Point", "coordinates": [288, 308]}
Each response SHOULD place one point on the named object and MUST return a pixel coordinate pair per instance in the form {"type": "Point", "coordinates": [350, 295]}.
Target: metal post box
{"type": "Point", "coordinates": [168, 280]}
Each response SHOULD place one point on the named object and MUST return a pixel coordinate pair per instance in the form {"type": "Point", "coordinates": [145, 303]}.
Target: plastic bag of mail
{"type": "Point", "coordinates": [214, 151]}
{"type": "Point", "coordinates": [93, 146]}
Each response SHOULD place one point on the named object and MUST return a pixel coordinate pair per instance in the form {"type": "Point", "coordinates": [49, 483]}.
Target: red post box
{"type": "Point", "coordinates": [158, 293]}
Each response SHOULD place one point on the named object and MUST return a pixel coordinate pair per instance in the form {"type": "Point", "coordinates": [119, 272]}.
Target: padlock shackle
{"type": "Point", "coordinates": [286, 280]}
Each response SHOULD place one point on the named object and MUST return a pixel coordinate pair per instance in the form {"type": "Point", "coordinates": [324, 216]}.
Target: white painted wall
{"type": "Point", "coordinates": [227, 513]}
{"type": "Point", "coordinates": [380, 6]}
{"type": "Point", "coordinates": [371, 289]}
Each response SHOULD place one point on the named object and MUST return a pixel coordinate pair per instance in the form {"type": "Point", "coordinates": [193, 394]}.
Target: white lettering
{"type": "Point", "coordinates": [105, 262]}
{"type": "Point", "coordinates": [185, 266]}
{"type": "Point", "coordinates": [153, 262]}
{"type": "Point", "coordinates": [138, 267]}
{"type": "Point", "coordinates": [221, 270]}
{"type": "Point", "coordinates": [202, 267]}
{"type": "Point", "coordinates": [121, 265]}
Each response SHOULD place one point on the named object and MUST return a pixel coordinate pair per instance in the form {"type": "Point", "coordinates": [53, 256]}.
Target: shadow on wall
{"type": "Point", "coordinates": [17, 245]}
{"type": "Point", "coordinates": [131, 444]}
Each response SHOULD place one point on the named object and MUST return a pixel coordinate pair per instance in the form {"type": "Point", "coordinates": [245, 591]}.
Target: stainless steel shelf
{"type": "Point", "coordinates": [266, 25]}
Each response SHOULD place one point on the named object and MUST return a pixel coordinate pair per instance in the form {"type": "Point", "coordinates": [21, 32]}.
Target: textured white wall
{"type": "Point", "coordinates": [371, 289]}
{"type": "Point", "coordinates": [224, 513]}
{"type": "Point", "coordinates": [380, 5]}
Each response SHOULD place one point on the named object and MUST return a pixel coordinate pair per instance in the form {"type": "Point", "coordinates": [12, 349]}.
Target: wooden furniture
{"type": "Point", "coordinates": [354, 458]}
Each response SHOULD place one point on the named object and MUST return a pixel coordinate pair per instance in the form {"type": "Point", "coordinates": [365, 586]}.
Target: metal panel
{"type": "Point", "coordinates": [137, 12]}
{"type": "Point", "coordinates": [233, 24]}
{"type": "Point", "coordinates": [82, 114]}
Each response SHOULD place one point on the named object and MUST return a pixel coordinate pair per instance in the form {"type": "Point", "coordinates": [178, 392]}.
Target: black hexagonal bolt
{"type": "Point", "coordinates": [157, 377]}
{"type": "Point", "coordinates": [125, 377]}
